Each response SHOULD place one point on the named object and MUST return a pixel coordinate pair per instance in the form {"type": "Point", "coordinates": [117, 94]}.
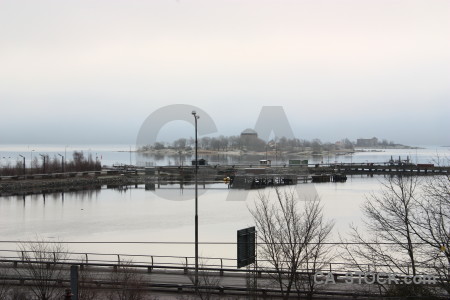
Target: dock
{"type": "Point", "coordinates": [237, 176]}
{"type": "Point", "coordinates": [260, 181]}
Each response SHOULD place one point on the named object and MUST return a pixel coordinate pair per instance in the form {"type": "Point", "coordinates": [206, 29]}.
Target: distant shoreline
{"type": "Point", "coordinates": [389, 147]}
{"type": "Point", "coordinates": [306, 152]}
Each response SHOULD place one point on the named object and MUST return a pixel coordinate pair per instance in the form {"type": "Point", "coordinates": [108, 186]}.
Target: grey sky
{"type": "Point", "coordinates": [92, 71]}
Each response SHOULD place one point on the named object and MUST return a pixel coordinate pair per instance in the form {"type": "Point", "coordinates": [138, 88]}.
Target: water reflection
{"type": "Point", "coordinates": [162, 213]}
{"type": "Point", "coordinates": [422, 155]}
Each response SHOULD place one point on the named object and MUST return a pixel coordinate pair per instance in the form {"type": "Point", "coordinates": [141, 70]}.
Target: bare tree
{"type": "Point", "coordinates": [208, 281]}
{"type": "Point", "coordinates": [291, 239]}
{"type": "Point", "coordinates": [87, 289]}
{"type": "Point", "coordinates": [432, 226]}
{"type": "Point", "coordinates": [180, 143]}
{"type": "Point", "coordinates": [389, 217]}
{"type": "Point", "coordinates": [17, 293]}
{"type": "Point", "coordinates": [42, 265]}
{"type": "Point", "coordinates": [128, 284]}
{"type": "Point", "coordinates": [318, 252]}
{"type": "Point", "coordinates": [391, 242]}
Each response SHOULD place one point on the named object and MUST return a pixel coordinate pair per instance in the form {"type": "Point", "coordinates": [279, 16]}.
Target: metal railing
{"type": "Point", "coordinates": [183, 263]}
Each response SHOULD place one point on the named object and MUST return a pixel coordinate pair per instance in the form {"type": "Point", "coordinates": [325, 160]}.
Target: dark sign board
{"type": "Point", "coordinates": [298, 162]}
{"type": "Point", "coordinates": [246, 247]}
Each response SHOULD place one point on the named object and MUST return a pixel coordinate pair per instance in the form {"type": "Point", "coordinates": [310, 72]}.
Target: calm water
{"type": "Point", "coordinates": [164, 215]}
{"type": "Point", "coordinates": [167, 214]}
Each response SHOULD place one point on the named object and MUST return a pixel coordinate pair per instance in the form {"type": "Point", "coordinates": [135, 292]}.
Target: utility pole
{"type": "Point", "coordinates": [43, 165]}
{"type": "Point", "coordinates": [31, 161]}
{"type": "Point", "coordinates": [62, 162]}
{"type": "Point", "coordinates": [23, 163]}
{"type": "Point", "coordinates": [194, 113]}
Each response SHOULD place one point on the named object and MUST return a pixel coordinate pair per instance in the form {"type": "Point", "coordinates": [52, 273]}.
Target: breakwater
{"type": "Point", "coordinates": [132, 175]}
{"type": "Point", "coordinates": [54, 185]}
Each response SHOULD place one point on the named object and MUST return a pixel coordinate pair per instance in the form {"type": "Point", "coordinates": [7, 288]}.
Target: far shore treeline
{"type": "Point", "coordinates": [253, 143]}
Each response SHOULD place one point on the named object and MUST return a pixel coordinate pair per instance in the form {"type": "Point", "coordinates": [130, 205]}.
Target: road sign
{"type": "Point", "coordinates": [246, 247]}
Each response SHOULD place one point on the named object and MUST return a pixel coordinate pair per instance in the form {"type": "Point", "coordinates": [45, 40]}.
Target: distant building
{"type": "Point", "coordinates": [265, 162]}
{"type": "Point", "coordinates": [249, 141]}
{"type": "Point", "coordinates": [248, 138]}
{"type": "Point", "coordinates": [373, 142]}
{"type": "Point", "coordinates": [249, 133]}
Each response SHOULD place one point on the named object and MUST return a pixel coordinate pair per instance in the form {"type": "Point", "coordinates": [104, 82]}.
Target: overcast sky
{"type": "Point", "coordinates": [92, 71]}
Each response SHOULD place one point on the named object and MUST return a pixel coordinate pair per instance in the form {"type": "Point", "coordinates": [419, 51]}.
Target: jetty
{"type": "Point", "coordinates": [247, 176]}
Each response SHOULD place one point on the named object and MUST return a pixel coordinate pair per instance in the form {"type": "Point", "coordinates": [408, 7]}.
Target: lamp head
{"type": "Point", "coordinates": [194, 112]}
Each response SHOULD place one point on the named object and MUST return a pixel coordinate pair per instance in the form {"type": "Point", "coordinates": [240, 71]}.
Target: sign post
{"type": "Point", "coordinates": [74, 281]}
{"type": "Point", "coordinates": [246, 247]}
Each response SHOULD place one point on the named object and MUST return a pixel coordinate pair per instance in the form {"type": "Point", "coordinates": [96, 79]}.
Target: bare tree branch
{"type": "Point", "coordinates": [293, 238]}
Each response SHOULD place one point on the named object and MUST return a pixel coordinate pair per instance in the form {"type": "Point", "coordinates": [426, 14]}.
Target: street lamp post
{"type": "Point", "coordinates": [43, 165]}
{"type": "Point", "coordinates": [23, 163]}
{"type": "Point", "coordinates": [276, 154]}
{"type": "Point", "coordinates": [62, 162]}
{"type": "Point", "coordinates": [266, 151]}
{"type": "Point", "coordinates": [31, 161]}
{"type": "Point", "coordinates": [65, 150]}
{"type": "Point", "coordinates": [194, 113]}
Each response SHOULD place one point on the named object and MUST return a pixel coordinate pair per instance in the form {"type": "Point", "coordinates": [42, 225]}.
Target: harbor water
{"type": "Point", "coordinates": [134, 220]}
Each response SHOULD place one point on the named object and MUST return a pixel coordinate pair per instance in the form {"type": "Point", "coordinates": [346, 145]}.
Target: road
{"type": "Point", "coordinates": [168, 284]}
